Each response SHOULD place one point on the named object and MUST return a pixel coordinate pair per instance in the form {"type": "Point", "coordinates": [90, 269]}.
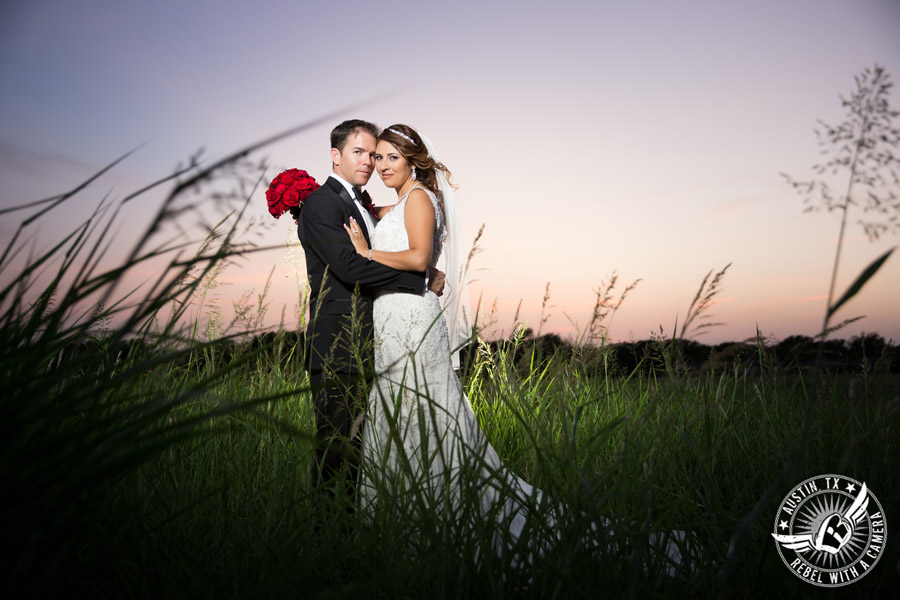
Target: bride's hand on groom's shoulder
{"type": "Point", "coordinates": [436, 281]}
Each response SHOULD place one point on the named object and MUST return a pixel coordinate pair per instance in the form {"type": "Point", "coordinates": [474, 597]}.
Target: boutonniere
{"type": "Point", "coordinates": [366, 200]}
{"type": "Point", "coordinates": [288, 190]}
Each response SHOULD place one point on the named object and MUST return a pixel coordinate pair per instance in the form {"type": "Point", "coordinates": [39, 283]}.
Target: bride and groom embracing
{"type": "Point", "coordinates": [390, 410]}
{"type": "Point", "coordinates": [391, 414]}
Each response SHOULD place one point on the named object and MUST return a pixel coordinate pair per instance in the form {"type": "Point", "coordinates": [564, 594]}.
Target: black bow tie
{"type": "Point", "coordinates": [362, 196]}
{"type": "Point", "coordinates": [365, 200]}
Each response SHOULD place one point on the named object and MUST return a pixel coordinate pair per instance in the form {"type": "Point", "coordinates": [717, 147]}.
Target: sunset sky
{"type": "Point", "coordinates": [589, 138]}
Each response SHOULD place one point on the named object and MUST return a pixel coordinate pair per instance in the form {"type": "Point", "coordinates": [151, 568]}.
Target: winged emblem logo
{"type": "Point", "coordinates": [833, 532]}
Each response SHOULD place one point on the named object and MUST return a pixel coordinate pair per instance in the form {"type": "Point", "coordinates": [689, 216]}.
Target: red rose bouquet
{"type": "Point", "coordinates": [288, 190]}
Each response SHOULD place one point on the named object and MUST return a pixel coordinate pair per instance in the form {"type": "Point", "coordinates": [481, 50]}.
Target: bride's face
{"type": "Point", "coordinates": [391, 166]}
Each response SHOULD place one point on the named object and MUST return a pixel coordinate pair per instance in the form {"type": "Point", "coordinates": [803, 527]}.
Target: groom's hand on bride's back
{"type": "Point", "coordinates": [436, 281]}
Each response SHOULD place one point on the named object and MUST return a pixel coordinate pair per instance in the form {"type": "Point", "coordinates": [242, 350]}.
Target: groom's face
{"type": "Point", "coordinates": [355, 162]}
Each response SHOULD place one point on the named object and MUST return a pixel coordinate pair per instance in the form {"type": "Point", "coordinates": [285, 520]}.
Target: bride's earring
{"type": "Point", "coordinates": [414, 174]}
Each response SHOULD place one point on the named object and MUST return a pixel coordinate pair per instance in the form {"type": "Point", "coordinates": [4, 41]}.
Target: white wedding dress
{"type": "Point", "coordinates": [422, 444]}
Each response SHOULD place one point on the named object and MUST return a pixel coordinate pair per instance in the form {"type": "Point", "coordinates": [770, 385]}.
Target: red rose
{"type": "Point", "coordinates": [289, 188]}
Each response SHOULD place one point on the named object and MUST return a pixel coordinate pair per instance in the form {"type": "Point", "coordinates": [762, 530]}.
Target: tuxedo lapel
{"type": "Point", "coordinates": [342, 192]}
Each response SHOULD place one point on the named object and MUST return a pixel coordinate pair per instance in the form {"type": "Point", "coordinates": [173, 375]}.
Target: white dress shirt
{"type": "Point", "coordinates": [367, 218]}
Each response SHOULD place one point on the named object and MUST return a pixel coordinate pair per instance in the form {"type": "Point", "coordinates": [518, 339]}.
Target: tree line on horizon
{"type": "Point", "coordinates": [861, 353]}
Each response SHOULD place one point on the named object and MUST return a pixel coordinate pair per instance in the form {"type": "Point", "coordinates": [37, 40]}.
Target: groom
{"type": "Point", "coordinates": [339, 341]}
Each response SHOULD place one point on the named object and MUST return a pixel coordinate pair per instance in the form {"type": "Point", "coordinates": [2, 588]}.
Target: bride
{"type": "Point", "coordinates": [422, 446]}
{"type": "Point", "coordinates": [421, 437]}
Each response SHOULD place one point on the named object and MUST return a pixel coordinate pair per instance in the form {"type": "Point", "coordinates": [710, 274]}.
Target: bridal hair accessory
{"type": "Point", "coordinates": [414, 174]}
{"type": "Point", "coordinates": [404, 136]}
{"type": "Point", "coordinates": [288, 190]}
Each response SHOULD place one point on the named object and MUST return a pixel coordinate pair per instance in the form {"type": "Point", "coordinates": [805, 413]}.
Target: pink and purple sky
{"type": "Point", "coordinates": [642, 138]}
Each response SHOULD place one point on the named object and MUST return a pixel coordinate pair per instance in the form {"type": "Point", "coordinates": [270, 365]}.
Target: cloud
{"type": "Point", "coordinates": [730, 210]}
{"type": "Point", "coordinates": [780, 299]}
{"type": "Point", "coordinates": [35, 162]}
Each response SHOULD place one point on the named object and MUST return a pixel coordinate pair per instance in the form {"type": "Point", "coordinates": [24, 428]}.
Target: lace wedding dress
{"type": "Point", "coordinates": [422, 444]}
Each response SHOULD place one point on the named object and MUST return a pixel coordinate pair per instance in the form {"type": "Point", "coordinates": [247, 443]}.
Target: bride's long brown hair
{"type": "Point", "coordinates": [416, 154]}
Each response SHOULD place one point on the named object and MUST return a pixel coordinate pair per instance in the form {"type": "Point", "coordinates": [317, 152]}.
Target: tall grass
{"type": "Point", "coordinates": [230, 512]}
{"type": "Point", "coordinates": [143, 459]}
{"type": "Point", "coordinates": [858, 155]}
{"type": "Point", "coordinates": [100, 381]}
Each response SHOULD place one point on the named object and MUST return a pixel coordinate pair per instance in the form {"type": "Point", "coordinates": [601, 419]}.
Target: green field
{"type": "Point", "coordinates": [187, 475]}
{"type": "Point", "coordinates": [144, 458]}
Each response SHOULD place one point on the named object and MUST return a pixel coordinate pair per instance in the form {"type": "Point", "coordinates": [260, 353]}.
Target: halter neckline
{"type": "Point", "coordinates": [417, 186]}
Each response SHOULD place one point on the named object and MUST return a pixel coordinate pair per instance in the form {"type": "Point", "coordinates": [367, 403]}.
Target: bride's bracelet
{"type": "Point", "coordinates": [370, 254]}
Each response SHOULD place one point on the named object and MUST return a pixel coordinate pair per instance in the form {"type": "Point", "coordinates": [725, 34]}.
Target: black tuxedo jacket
{"type": "Point", "coordinates": [342, 283]}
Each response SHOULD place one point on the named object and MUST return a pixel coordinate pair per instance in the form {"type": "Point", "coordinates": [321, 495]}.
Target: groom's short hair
{"type": "Point", "coordinates": [342, 132]}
